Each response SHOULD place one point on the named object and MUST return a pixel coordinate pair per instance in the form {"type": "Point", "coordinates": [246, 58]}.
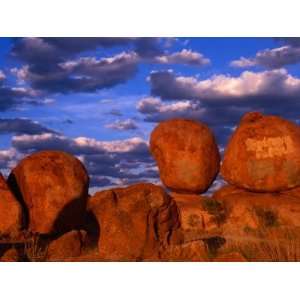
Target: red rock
{"type": "Point", "coordinates": [186, 252]}
{"type": "Point", "coordinates": [230, 257]}
{"type": "Point", "coordinates": [67, 246]}
{"type": "Point", "coordinates": [54, 188]}
{"type": "Point", "coordinates": [10, 211]}
{"type": "Point", "coordinates": [187, 155]}
{"type": "Point", "coordinates": [263, 154]}
{"type": "Point", "coordinates": [226, 190]}
{"type": "Point", "coordinates": [249, 212]}
{"type": "Point", "coordinates": [135, 222]}
{"type": "Point", "coordinates": [10, 255]}
{"type": "Point", "coordinates": [197, 220]}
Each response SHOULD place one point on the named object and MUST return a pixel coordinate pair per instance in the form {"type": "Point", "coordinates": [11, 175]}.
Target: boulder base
{"type": "Point", "coordinates": [135, 222]}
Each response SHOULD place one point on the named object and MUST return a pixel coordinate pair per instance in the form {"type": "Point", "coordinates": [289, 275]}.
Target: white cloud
{"type": "Point", "coordinates": [268, 83]}
{"type": "Point", "coordinates": [128, 124]}
{"type": "Point", "coordinates": [185, 57]}
{"type": "Point", "coordinates": [271, 58]}
{"type": "Point", "coordinates": [2, 75]}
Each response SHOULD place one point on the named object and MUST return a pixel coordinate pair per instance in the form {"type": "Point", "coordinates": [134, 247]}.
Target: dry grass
{"type": "Point", "coordinates": [36, 249]}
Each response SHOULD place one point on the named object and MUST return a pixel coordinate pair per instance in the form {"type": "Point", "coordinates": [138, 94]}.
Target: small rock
{"type": "Point", "coordinates": [10, 255]}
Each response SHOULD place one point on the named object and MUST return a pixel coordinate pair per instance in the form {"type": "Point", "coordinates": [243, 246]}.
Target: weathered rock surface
{"type": "Point", "coordinates": [68, 245]}
{"type": "Point", "coordinates": [199, 216]}
{"type": "Point", "coordinates": [189, 251]}
{"type": "Point", "coordinates": [10, 211]}
{"type": "Point", "coordinates": [259, 213]}
{"type": "Point", "coordinates": [54, 188]}
{"type": "Point", "coordinates": [230, 257]}
{"type": "Point", "coordinates": [263, 154]}
{"type": "Point", "coordinates": [135, 222]}
{"type": "Point", "coordinates": [10, 255]}
{"type": "Point", "coordinates": [186, 153]}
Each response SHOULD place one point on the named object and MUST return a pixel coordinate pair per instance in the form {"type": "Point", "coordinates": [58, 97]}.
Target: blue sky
{"type": "Point", "coordinates": [99, 98]}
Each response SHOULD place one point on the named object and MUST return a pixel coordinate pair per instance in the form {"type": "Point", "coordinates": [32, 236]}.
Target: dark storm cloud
{"type": "Point", "coordinates": [22, 126]}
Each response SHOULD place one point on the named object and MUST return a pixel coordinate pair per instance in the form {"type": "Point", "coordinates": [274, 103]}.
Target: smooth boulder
{"type": "Point", "coordinates": [54, 187]}
{"type": "Point", "coordinates": [10, 211]}
{"type": "Point", "coordinates": [186, 153]}
{"type": "Point", "coordinates": [135, 222]}
{"type": "Point", "coordinates": [263, 154]}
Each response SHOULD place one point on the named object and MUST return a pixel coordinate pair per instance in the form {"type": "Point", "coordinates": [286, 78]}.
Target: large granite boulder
{"type": "Point", "coordinates": [263, 154]}
{"type": "Point", "coordinates": [10, 211]}
{"type": "Point", "coordinates": [186, 153]}
{"type": "Point", "coordinates": [135, 222]}
{"type": "Point", "coordinates": [54, 187]}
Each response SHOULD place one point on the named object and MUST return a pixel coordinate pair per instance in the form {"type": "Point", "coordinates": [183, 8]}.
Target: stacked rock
{"type": "Point", "coordinates": [188, 160]}
{"type": "Point", "coordinates": [262, 166]}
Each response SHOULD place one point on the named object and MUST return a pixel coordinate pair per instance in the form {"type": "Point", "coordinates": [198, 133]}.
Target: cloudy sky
{"type": "Point", "coordinates": [99, 98]}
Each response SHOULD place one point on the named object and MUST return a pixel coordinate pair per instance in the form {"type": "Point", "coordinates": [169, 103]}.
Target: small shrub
{"type": "Point", "coordinates": [267, 217]}
{"type": "Point", "coordinates": [36, 249]}
{"type": "Point", "coordinates": [215, 208]}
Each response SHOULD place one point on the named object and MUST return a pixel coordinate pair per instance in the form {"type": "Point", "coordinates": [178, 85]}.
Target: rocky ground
{"type": "Point", "coordinates": [46, 213]}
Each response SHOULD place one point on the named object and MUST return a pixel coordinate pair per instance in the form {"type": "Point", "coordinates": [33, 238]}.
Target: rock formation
{"type": "Point", "coordinates": [135, 222]}
{"type": "Point", "coordinates": [53, 185]}
{"type": "Point", "coordinates": [263, 154]}
{"type": "Point", "coordinates": [10, 211]}
{"type": "Point", "coordinates": [186, 154]}
{"type": "Point", "coordinates": [67, 246]}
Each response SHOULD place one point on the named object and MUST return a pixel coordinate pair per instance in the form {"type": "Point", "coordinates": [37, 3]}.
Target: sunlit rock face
{"type": "Point", "coordinates": [263, 154]}
{"type": "Point", "coordinates": [187, 155]}
{"type": "Point", "coordinates": [11, 215]}
{"type": "Point", "coordinates": [136, 223]}
{"type": "Point", "coordinates": [53, 185]}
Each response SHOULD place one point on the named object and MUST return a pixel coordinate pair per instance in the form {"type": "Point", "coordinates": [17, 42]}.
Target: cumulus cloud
{"type": "Point", "coordinates": [8, 159]}
{"type": "Point", "coordinates": [2, 75]}
{"type": "Point", "coordinates": [155, 110]}
{"type": "Point", "coordinates": [128, 124]}
{"type": "Point", "coordinates": [85, 74]}
{"type": "Point", "coordinates": [274, 83]}
{"type": "Point", "coordinates": [11, 97]}
{"type": "Point", "coordinates": [271, 58]}
{"type": "Point", "coordinates": [108, 162]}
{"type": "Point", "coordinates": [22, 126]}
{"type": "Point", "coordinates": [184, 57]}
